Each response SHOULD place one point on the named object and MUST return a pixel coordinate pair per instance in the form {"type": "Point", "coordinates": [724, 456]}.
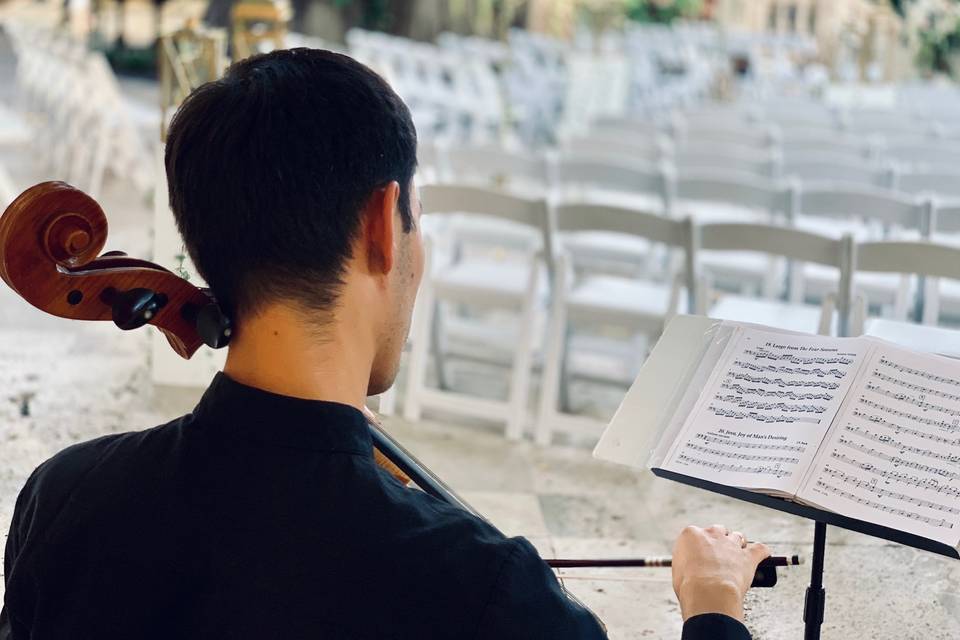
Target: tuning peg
{"type": "Point", "coordinates": [213, 326]}
{"type": "Point", "coordinates": [134, 308]}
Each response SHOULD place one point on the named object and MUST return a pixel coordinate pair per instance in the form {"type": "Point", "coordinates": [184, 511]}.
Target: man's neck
{"type": "Point", "coordinates": [279, 352]}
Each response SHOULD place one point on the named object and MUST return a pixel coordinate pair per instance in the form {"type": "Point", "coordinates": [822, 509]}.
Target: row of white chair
{"type": "Point", "coordinates": [543, 279]}
{"type": "Point", "coordinates": [770, 150]}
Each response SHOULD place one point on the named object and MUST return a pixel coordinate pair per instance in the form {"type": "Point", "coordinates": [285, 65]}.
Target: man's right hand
{"type": "Point", "coordinates": [712, 570]}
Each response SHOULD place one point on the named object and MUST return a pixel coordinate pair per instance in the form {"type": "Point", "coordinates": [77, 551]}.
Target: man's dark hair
{"type": "Point", "coordinates": [269, 169]}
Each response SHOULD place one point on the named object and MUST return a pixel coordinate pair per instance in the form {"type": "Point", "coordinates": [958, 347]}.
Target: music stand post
{"type": "Point", "coordinates": [815, 602]}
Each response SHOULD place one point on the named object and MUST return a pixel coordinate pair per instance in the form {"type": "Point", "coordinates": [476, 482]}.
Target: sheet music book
{"type": "Point", "coordinates": [856, 426]}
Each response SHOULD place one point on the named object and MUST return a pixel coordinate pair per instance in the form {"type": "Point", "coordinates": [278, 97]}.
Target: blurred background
{"type": "Point", "coordinates": [580, 165]}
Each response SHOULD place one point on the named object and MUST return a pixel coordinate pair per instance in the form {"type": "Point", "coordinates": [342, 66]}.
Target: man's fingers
{"type": "Point", "coordinates": [758, 551]}
{"type": "Point", "coordinates": [718, 529]}
{"type": "Point", "coordinates": [740, 539]}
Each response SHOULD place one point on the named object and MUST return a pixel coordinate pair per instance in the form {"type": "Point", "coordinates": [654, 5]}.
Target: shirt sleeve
{"type": "Point", "coordinates": [714, 626]}
{"type": "Point", "coordinates": [528, 602]}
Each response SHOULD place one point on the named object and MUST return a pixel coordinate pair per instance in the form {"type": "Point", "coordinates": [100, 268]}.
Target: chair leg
{"type": "Point", "coordinates": [566, 404]}
{"type": "Point", "coordinates": [553, 380]}
{"type": "Point", "coordinates": [522, 363]}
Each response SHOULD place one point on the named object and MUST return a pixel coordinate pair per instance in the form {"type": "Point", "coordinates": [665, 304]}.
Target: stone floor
{"type": "Point", "coordinates": [81, 380]}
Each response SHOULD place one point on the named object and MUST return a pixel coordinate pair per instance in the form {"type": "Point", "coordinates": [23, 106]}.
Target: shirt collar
{"type": "Point", "coordinates": [237, 410]}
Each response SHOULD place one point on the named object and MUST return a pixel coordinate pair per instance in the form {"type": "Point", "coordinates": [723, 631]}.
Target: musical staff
{"type": "Point", "coordinates": [940, 424]}
{"type": "Point", "coordinates": [902, 447]}
{"type": "Point", "coordinates": [742, 444]}
{"type": "Point", "coordinates": [916, 387]}
{"type": "Point", "coordinates": [771, 406]}
{"type": "Point", "coordinates": [723, 412]}
{"type": "Point", "coordinates": [764, 354]}
{"type": "Point", "coordinates": [898, 429]}
{"type": "Point", "coordinates": [880, 492]}
{"type": "Point", "coordinates": [784, 384]}
{"type": "Point", "coordinates": [910, 515]}
{"type": "Point", "coordinates": [774, 471]}
{"type": "Point", "coordinates": [926, 375]}
{"type": "Point", "coordinates": [743, 456]}
{"type": "Point", "coordinates": [898, 461]}
{"type": "Point", "coordinates": [776, 393]}
{"type": "Point", "coordinates": [906, 479]}
{"type": "Point", "coordinates": [918, 401]}
{"type": "Point", "coordinates": [793, 371]}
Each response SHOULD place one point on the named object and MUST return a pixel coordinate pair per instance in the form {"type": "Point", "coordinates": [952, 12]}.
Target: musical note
{"type": "Point", "coordinates": [857, 413]}
{"type": "Point", "coordinates": [898, 461]}
{"type": "Point", "coordinates": [775, 393]}
{"type": "Point", "coordinates": [775, 471]}
{"type": "Point", "coordinates": [906, 479]}
{"type": "Point", "coordinates": [763, 354]}
{"type": "Point", "coordinates": [926, 375]}
{"type": "Point", "coordinates": [743, 456]}
{"type": "Point", "coordinates": [917, 387]}
{"type": "Point", "coordinates": [918, 402]}
{"type": "Point", "coordinates": [771, 406]}
{"type": "Point", "coordinates": [912, 515]}
{"type": "Point", "coordinates": [818, 372]}
{"type": "Point", "coordinates": [760, 417]}
{"type": "Point", "coordinates": [742, 444]}
{"type": "Point", "coordinates": [880, 492]}
{"type": "Point", "coordinates": [941, 424]}
{"type": "Point", "coordinates": [902, 447]}
{"type": "Point", "coordinates": [780, 382]}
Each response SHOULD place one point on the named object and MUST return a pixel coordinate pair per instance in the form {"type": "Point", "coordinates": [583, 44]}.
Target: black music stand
{"type": "Point", "coordinates": [814, 605]}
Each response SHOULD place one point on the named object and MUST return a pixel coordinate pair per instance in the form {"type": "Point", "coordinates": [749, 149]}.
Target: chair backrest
{"type": "Point", "coordinates": [851, 203]}
{"type": "Point", "coordinates": [457, 199]}
{"type": "Point", "coordinates": [946, 216]}
{"type": "Point", "coordinates": [925, 155]}
{"type": "Point", "coordinates": [792, 244]}
{"type": "Point", "coordinates": [944, 184]}
{"type": "Point", "coordinates": [918, 258]}
{"type": "Point", "coordinates": [605, 175]}
{"type": "Point", "coordinates": [588, 217]}
{"type": "Point", "coordinates": [636, 149]}
{"type": "Point", "coordinates": [760, 164]}
{"type": "Point", "coordinates": [929, 260]}
{"type": "Point", "coordinates": [732, 188]}
{"type": "Point", "coordinates": [494, 167]}
{"type": "Point", "coordinates": [827, 171]}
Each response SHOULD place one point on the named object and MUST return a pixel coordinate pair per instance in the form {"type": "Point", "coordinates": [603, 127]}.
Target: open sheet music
{"type": "Point", "coordinates": [852, 425]}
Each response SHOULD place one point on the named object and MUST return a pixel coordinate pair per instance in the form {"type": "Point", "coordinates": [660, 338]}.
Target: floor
{"type": "Point", "coordinates": [75, 381]}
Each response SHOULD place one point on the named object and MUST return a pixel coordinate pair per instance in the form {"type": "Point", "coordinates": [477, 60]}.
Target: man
{"type": "Point", "coordinates": [262, 513]}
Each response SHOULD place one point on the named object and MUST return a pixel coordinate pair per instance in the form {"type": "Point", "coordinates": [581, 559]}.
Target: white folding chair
{"type": "Point", "coordinates": [601, 301]}
{"type": "Point", "coordinates": [943, 184]}
{"type": "Point", "coordinates": [929, 261]}
{"type": "Point", "coordinates": [489, 282]}
{"type": "Point", "coordinates": [618, 149]}
{"type": "Point", "coordinates": [822, 170]}
{"type": "Point", "coordinates": [864, 213]}
{"type": "Point", "coordinates": [791, 244]}
{"type": "Point", "coordinates": [632, 186]}
{"type": "Point", "coordinates": [493, 167]}
{"type": "Point", "coordinates": [734, 197]}
{"type": "Point", "coordinates": [924, 156]}
{"type": "Point", "coordinates": [764, 164]}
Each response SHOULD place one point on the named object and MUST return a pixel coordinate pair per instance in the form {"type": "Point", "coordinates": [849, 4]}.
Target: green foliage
{"type": "Point", "coordinates": [662, 11]}
{"type": "Point", "coordinates": [938, 49]}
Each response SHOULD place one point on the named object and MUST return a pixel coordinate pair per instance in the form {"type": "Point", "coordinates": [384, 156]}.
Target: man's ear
{"type": "Point", "coordinates": [379, 228]}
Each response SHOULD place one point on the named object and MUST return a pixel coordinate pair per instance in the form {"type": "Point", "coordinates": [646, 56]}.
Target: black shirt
{"type": "Point", "coordinates": [265, 516]}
